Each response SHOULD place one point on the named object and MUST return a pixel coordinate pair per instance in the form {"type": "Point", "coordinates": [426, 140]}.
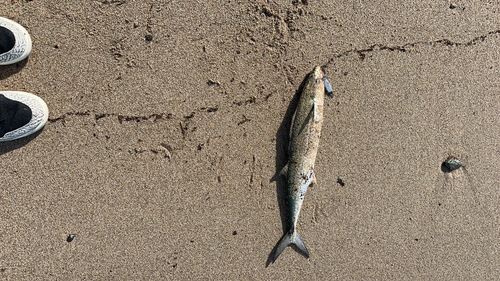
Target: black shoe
{"type": "Point", "coordinates": [21, 114]}
{"type": "Point", "coordinates": [15, 42]}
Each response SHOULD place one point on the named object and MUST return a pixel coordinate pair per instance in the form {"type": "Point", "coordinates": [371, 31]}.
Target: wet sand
{"type": "Point", "coordinates": [168, 120]}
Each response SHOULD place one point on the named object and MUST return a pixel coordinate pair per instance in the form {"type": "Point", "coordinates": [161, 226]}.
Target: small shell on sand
{"type": "Point", "coordinates": [452, 163]}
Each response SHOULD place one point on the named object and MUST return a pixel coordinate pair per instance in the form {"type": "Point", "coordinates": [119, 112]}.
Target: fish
{"type": "Point", "coordinates": [304, 142]}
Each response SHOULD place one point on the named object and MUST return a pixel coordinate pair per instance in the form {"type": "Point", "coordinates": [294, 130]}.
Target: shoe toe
{"type": "Point", "coordinates": [22, 46]}
{"type": "Point", "coordinates": [39, 114]}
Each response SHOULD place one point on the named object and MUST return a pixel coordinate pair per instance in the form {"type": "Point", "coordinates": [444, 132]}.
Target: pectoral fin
{"type": "Point", "coordinates": [282, 173]}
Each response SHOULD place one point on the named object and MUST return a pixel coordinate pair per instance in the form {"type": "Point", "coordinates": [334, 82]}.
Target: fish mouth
{"type": "Point", "coordinates": [319, 72]}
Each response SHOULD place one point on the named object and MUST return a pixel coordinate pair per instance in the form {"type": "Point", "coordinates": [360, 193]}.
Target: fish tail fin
{"type": "Point", "coordinates": [285, 241]}
{"type": "Point", "coordinates": [291, 239]}
{"type": "Point", "coordinates": [300, 245]}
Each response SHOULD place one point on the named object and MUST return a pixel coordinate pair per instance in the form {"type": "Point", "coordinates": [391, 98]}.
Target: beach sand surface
{"type": "Point", "coordinates": [168, 120]}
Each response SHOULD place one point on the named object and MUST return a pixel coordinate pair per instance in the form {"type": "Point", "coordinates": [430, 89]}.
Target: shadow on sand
{"type": "Point", "coordinates": [8, 70]}
{"type": "Point", "coordinates": [15, 144]}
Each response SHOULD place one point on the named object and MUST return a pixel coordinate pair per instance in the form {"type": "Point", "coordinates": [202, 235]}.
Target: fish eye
{"type": "Point", "coordinates": [317, 81]}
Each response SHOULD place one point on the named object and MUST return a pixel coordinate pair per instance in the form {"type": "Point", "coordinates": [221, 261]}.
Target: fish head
{"type": "Point", "coordinates": [318, 73]}
{"type": "Point", "coordinates": [316, 79]}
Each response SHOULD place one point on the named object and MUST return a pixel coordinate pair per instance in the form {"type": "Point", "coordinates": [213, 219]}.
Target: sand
{"type": "Point", "coordinates": [168, 120]}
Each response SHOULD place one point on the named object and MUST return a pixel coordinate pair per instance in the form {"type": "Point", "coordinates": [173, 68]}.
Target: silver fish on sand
{"type": "Point", "coordinates": [303, 147]}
